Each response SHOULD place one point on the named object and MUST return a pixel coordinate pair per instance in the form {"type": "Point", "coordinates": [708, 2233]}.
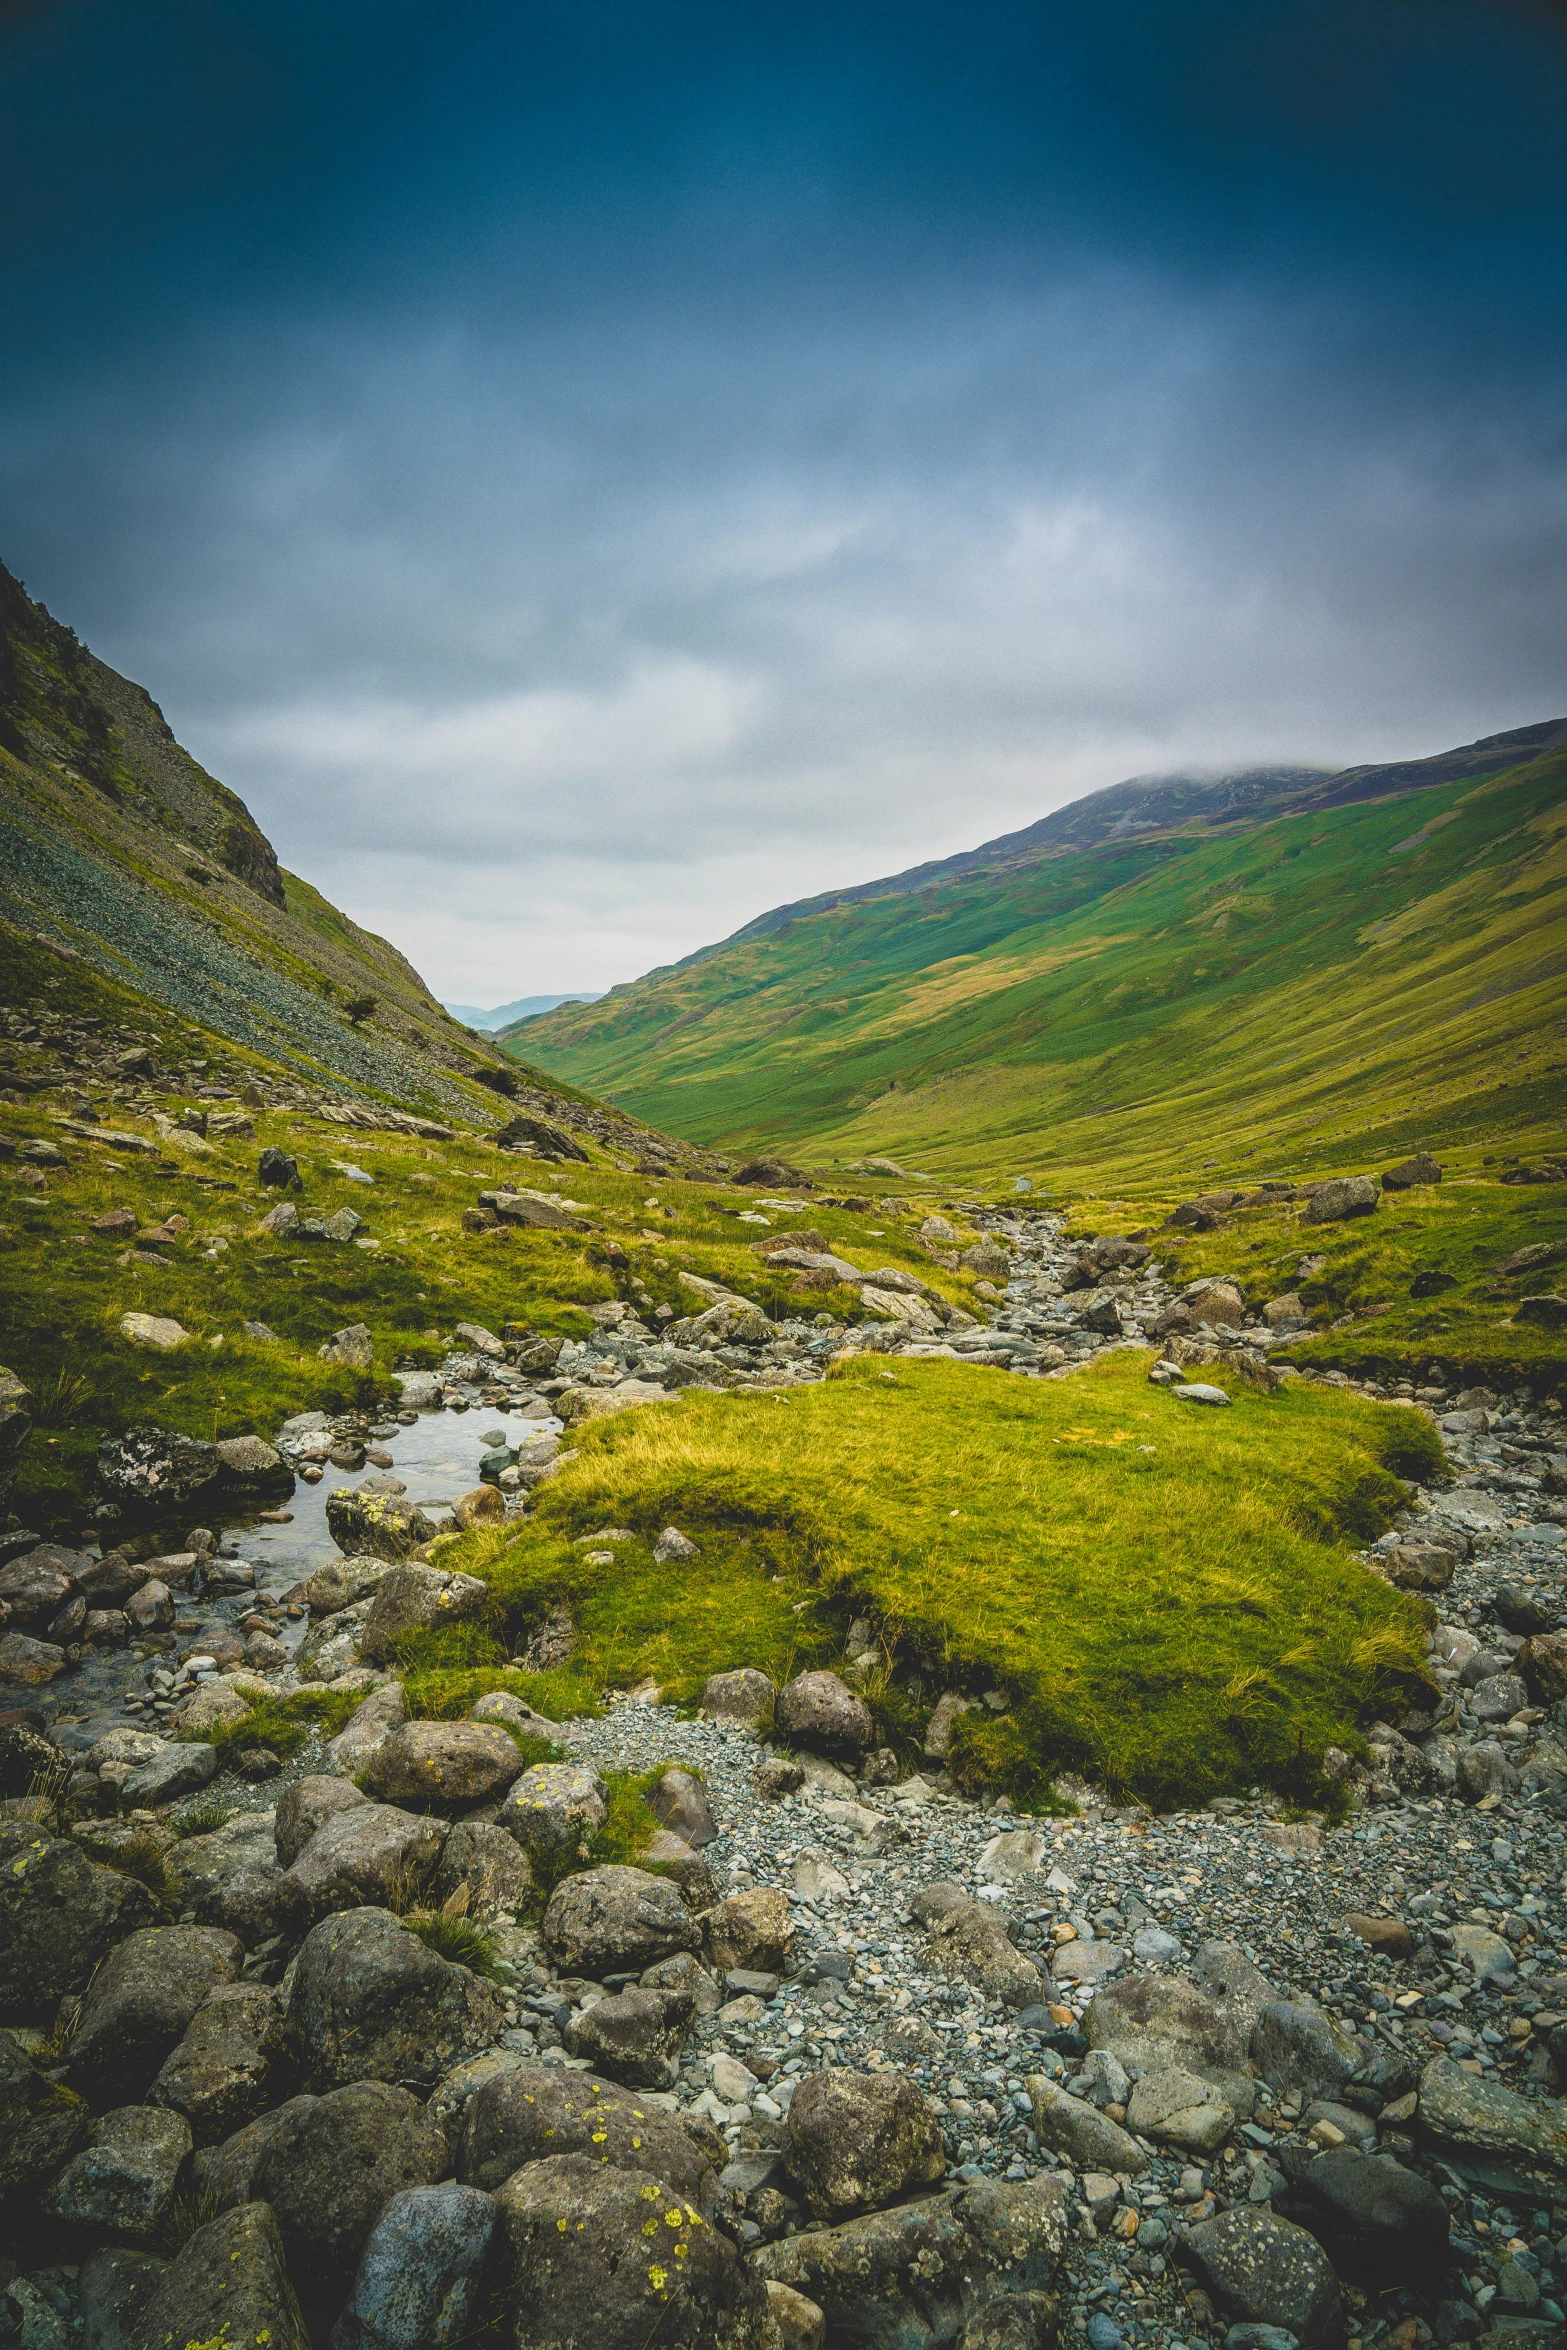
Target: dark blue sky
{"type": "Point", "coordinates": [586, 473]}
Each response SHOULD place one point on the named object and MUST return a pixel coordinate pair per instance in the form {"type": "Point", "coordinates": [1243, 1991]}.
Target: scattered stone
{"type": "Point", "coordinates": [158, 1331]}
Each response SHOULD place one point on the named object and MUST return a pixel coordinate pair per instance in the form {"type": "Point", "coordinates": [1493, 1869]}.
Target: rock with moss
{"type": "Point", "coordinates": [443, 1766]}
{"type": "Point", "coordinates": [370, 2001]}
{"type": "Point", "coordinates": [579, 2237]}
{"type": "Point", "coordinates": [122, 2182]}
{"type": "Point", "coordinates": [141, 2004]}
{"type": "Point", "coordinates": [374, 1854]}
{"type": "Point", "coordinates": [856, 2140]}
{"type": "Point", "coordinates": [610, 1920]}
{"type": "Point", "coordinates": [555, 1807]}
{"type": "Point", "coordinates": [230, 2280]}
{"type": "Point", "coordinates": [525, 2111]}
{"type": "Point", "coordinates": [386, 1525]}
{"type": "Point", "coordinates": [234, 2062]}
{"type": "Point", "coordinates": [41, 2124]}
{"type": "Point", "coordinates": [416, 1598]}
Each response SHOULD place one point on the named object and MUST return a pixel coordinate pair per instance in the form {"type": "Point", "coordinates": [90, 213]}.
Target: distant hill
{"type": "Point", "coordinates": [1245, 964]}
{"type": "Point", "coordinates": [526, 1007]}
{"type": "Point", "coordinates": [117, 845]}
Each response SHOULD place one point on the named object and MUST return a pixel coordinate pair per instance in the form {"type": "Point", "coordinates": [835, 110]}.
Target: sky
{"type": "Point", "coordinates": [586, 473]}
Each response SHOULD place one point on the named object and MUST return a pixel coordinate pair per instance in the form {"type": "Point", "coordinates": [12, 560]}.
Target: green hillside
{"type": "Point", "coordinates": [1369, 965]}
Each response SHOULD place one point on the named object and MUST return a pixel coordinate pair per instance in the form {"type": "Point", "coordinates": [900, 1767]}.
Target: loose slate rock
{"type": "Point", "coordinates": [855, 2140]}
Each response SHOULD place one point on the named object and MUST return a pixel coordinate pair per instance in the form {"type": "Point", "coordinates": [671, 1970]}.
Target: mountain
{"type": "Point", "coordinates": [525, 1008]}
{"type": "Point", "coordinates": [119, 847]}
{"type": "Point", "coordinates": [1276, 963]}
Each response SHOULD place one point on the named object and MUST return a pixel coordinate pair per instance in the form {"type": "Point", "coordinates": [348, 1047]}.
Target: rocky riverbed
{"type": "Point", "coordinates": [894, 2066]}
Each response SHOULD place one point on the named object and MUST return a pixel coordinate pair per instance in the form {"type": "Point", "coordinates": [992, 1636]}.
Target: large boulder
{"type": "Point", "coordinates": [231, 2064]}
{"type": "Point", "coordinates": [230, 2278]}
{"type": "Point", "coordinates": [1344, 1197]}
{"type": "Point", "coordinates": [387, 1525]}
{"type": "Point", "coordinates": [140, 2005]}
{"type": "Point", "coordinates": [371, 2001]}
{"type": "Point", "coordinates": [204, 1863]}
{"type": "Point", "coordinates": [1300, 2051]}
{"type": "Point", "coordinates": [123, 2180]}
{"type": "Point", "coordinates": [151, 1471]}
{"type": "Point", "coordinates": [530, 2110]}
{"type": "Point", "coordinates": [443, 1766]}
{"type": "Point", "coordinates": [112, 2289]}
{"type": "Point", "coordinates": [1372, 2217]}
{"type": "Point", "coordinates": [752, 1929]}
{"type": "Point", "coordinates": [969, 1943]}
{"type": "Point", "coordinates": [1074, 2128]}
{"type": "Point", "coordinates": [40, 2125]}
{"type": "Point", "coordinates": [366, 1731]}
{"type": "Point", "coordinates": [819, 1710]}
{"type": "Point", "coordinates": [913, 2275]}
{"type": "Point", "coordinates": [1412, 1174]}
{"type": "Point", "coordinates": [489, 1867]}
{"type": "Point", "coordinates": [59, 1913]}
{"type": "Point", "coordinates": [1150, 2022]}
{"type": "Point", "coordinates": [374, 1854]}
{"type": "Point", "coordinates": [613, 1920]}
{"type": "Point", "coordinates": [1265, 2271]}
{"type": "Point", "coordinates": [258, 1903]}
{"type": "Point", "coordinates": [743, 1699]}
{"type": "Point", "coordinates": [856, 2140]}
{"type": "Point", "coordinates": [580, 2238]}
{"type": "Point", "coordinates": [417, 1598]}
{"type": "Point", "coordinates": [1491, 2134]}
{"type": "Point", "coordinates": [421, 2278]}
{"type": "Point", "coordinates": [553, 1807]}
{"type": "Point", "coordinates": [35, 1587]}
{"type": "Point", "coordinates": [306, 1805]}
{"type": "Point", "coordinates": [332, 2166]}
{"type": "Point", "coordinates": [637, 2036]}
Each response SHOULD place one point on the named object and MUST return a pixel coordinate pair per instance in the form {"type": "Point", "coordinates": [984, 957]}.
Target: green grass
{"type": "Point", "coordinates": [281, 1723]}
{"type": "Point", "coordinates": [1180, 1620]}
{"type": "Point", "coordinates": [458, 1940]}
{"type": "Point", "coordinates": [1295, 994]}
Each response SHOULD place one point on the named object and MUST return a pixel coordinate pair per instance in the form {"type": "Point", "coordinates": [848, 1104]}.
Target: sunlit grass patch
{"type": "Point", "coordinates": [1164, 1595]}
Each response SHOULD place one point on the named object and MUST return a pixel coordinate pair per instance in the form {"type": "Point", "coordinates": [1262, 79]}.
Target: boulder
{"type": "Point", "coordinates": [354, 1346]}
{"type": "Point", "coordinates": [1179, 2109]}
{"type": "Point", "coordinates": [486, 1864]}
{"type": "Point", "coordinates": [152, 1470]}
{"type": "Point", "coordinates": [123, 2180]}
{"type": "Point", "coordinates": [753, 1928]}
{"type": "Point", "coordinates": [554, 1807]}
{"type": "Point", "coordinates": [530, 2110]}
{"type": "Point", "coordinates": [304, 1807]}
{"type": "Point", "coordinates": [1543, 1664]}
{"type": "Point", "coordinates": [229, 2276]}
{"type": "Point", "coordinates": [1267, 2271]}
{"type": "Point", "coordinates": [1336, 1202]}
{"type": "Point", "coordinates": [1013, 2321]}
{"type": "Point", "coordinates": [258, 1903]}
{"type": "Point", "coordinates": [203, 1863]}
{"type": "Point", "coordinates": [1152, 2022]}
{"type": "Point", "coordinates": [169, 1774]}
{"type": "Point", "coordinates": [1075, 2129]}
{"type": "Point", "coordinates": [1417, 1566]}
{"type": "Point", "coordinates": [16, 1425]}
{"type": "Point", "coordinates": [1491, 2134]}
{"type": "Point", "coordinates": [415, 1598]}
{"type": "Point", "coordinates": [499, 1705]}
{"type": "Point", "coordinates": [388, 1525]}
{"type": "Point", "coordinates": [420, 2284]}
{"type": "Point", "coordinates": [1374, 2219]}
{"type": "Point", "coordinates": [371, 2001]}
{"type": "Point", "coordinates": [744, 1699]}
{"type": "Point", "coordinates": [969, 1943]}
{"type": "Point", "coordinates": [334, 2163]}
{"type": "Point", "coordinates": [140, 2005]}
{"type": "Point", "coordinates": [856, 2140]}
{"type": "Point", "coordinates": [112, 2287]}
{"type": "Point", "coordinates": [340, 1582]}
{"type": "Point", "coordinates": [32, 1663]}
{"type": "Point", "coordinates": [1085, 1960]}
{"type": "Point", "coordinates": [231, 2064]}
{"type": "Point", "coordinates": [366, 1730]}
{"type": "Point", "coordinates": [819, 1710]}
{"type": "Point", "coordinates": [443, 1766]}
{"type": "Point", "coordinates": [248, 1464]}
{"type": "Point", "coordinates": [1240, 1990]}
{"type": "Point", "coordinates": [613, 1919]}
{"type": "Point", "coordinates": [1412, 1174]}
{"type": "Point", "coordinates": [800, 2325]}
{"type": "Point", "coordinates": [36, 1586]}
{"type": "Point", "coordinates": [1219, 1303]}
{"type": "Point", "coordinates": [370, 1854]}
{"type": "Point", "coordinates": [637, 2036]}
{"type": "Point", "coordinates": [214, 1706]}
{"type": "Point", "coordinates": [1299, 2051]}
{"type": "Point", "coordinates": [575, 2238]}
{"type": "Point", "coordinates": [909, 2278]}
{"type": "Point", "coordinates": [41, 2125]}
{"type": "Point", "coordinates": [678, 1801]}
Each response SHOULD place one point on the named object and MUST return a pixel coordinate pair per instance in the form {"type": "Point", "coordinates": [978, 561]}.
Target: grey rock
{"type": "Point", "coordinates": [752, 1930]}
{"type": "Point", "coordinates": [112, 2289]}
{"type": "Point", "coordinates": [1490, 2133]}
{"type": "Point", "coordinates": [370, 2001]}
{"type": "Point", "coordinates": [1013, 2321]}
{"type": "Point", "coordinates": [1179, 2109]}
{"type": "Point", "coordinates": [1267, 2271]}
{"type": "Point", "coordinates": [673, 1546]}
{"type": "Point", "coordinates": [340, 1582]}
{"type": "Point", "coordinates": [553, 1806]}
{"type": "Point", "coordinates": [371, 1855]}
{"type": "Point", "coordinates": [59, 1913]}
{"type": "Point", "coordinates": [123, 2180]}
{"type": "Point", "coordinates": [531, 2110]}
{"type": "Point", "coordinates": [855, 2140]}
{"type": "Point", "coordinates": [366, 1731]}
{"type": "Point", "coordinates": [389, 1526]}
{"type": "Point", "coordinates": [968, 1943]}
{"type": "Point", "coordinates": [416, 1598]}
{"type": "Point", "coordinates": [443, 1766]}
{"type": "Point", "coordinates": [420, 2284]}
{"type": "Point", "coordinates": [1299, 2051]}
{"type": "Point", "coordinates": [637, 2036]}
{"type": "Point", "coordinates": [1151, 2022]}
{"type": "Point", "coordinates": [332, 2166]}
{"type": "Point", "coordinates": [606, 1920]}
{"type": "Point", "coordinates": [819, 1710]}
{"type": "Point", "coordinates": [486, 1863]}
{"type": "Point", "coordinates": [231, 2064]}
{"type": "Point", "coordinates": [1344, 1197]}
{"type": "Point", "coordinates": [1075, 2129]}
{"type": "Point", "coordinates": [1374, 2219]}
{"type": "Point", "coordinates": [140, 2006]}
{"type": "Point", "coordinates": [575, 2237]}
{"type": "Point", "coordinates": [232, 2274]}
{"type": "Point", "coordinates": [678, 1801]}
{"type": "Point", "coordinates": [307, 1805]}
{"type": "Point", "coordinates": [177, 1771]}
{"type": "Point", "coordinates": [40, 2125]}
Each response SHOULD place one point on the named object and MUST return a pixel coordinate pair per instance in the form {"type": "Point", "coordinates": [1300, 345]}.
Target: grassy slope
{"type": "Point", "coordinates": [1301, 993]}
{"type": "Point", "coordinates": [1163, 1594]}
{"type": "Point", "coordinates": [120, 845]}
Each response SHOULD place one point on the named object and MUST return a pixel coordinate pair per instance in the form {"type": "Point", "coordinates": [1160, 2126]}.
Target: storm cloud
{"type": "Point", "coordinates": [586, 474]}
